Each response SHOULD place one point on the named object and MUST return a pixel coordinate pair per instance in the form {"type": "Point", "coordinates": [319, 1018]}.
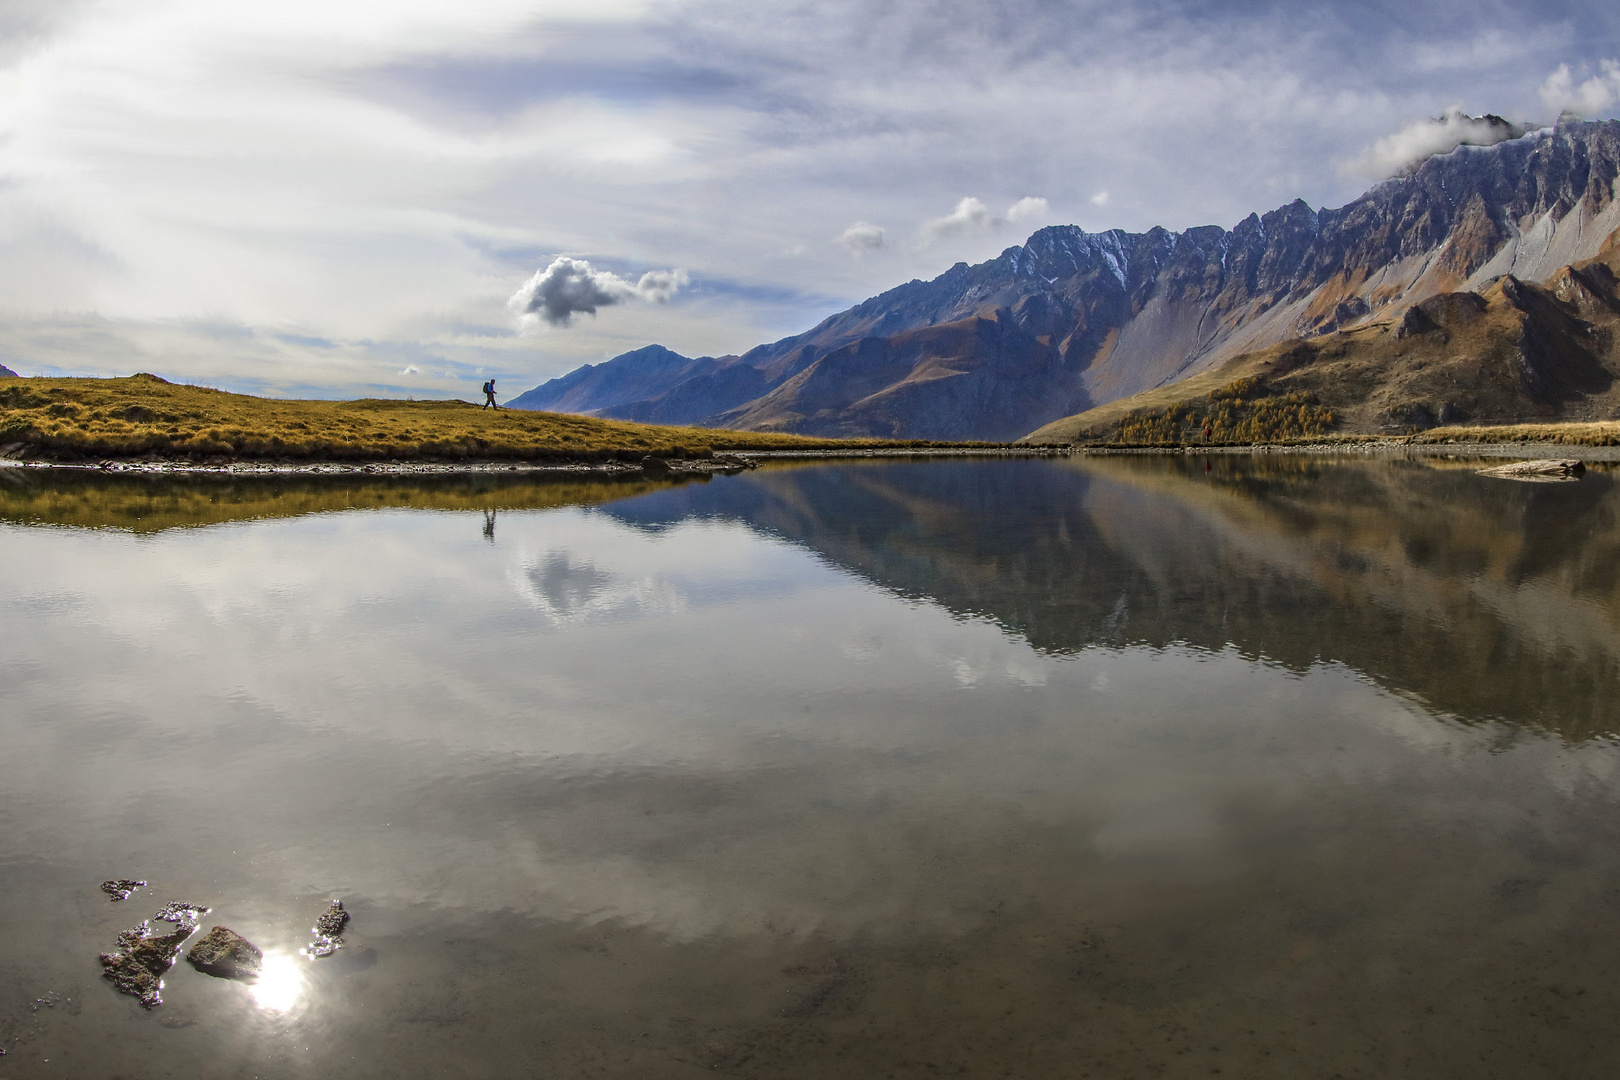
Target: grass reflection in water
{"type": "Point", "coordinates": [1128, 766]}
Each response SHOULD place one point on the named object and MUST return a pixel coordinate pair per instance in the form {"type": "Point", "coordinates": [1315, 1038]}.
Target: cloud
{"type": "Point", "coordinates": [660, 286]}
{"type": "Point", "coordinates": [569, 287]}
{"type": "Point", "coordinates": [972, 216]}
{"type": "Point", "coordinates": [1029, 208]}
{"type": "Point", "coordinates": [861, 237]}
{"type": "Point", "coordinates": [1591, 99]}
{"type": "Point", "coordinates": [1100, 199]}
{"type": "Point", "coordinates": [410, 369]}
{"type": "Point", "coordinates": [1419, 141]}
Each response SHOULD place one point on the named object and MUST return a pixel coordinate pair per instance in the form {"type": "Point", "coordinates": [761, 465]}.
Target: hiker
{"type": "Point", "coordinates": [489, 394]}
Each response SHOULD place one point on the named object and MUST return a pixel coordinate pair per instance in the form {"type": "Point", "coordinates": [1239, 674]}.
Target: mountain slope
{"type": "Point", "coordinates": [1513, 351]}
{"type": "Point", "coordinates": [1086, 319]}
{"type": "Point", "coordinates": [7, 373]}
{"type": "Point", "coordinates": [632, 376]}
{"type": "Point", "coordinates": [978, 378]}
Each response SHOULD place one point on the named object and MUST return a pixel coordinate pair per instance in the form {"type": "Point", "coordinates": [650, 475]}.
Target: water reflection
{"type": "Point", "coordinates": [1118, 766]}
{"type": "Point", "coordinates": [1482, 598]}
{"type": "Point", "coordinates": [280, 985]}
{"type": "Point", "coordinates": [567, 590]}
{"type": "Point", "coordinates": [152, 504]}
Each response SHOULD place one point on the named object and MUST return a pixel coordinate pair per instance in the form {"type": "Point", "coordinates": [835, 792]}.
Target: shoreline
{"type": "Point", "coordinates": [1381, 448]}
{"type": "Point", "coordinates": [740, 461]}
{"type": "Point", "coordinates": [720, 463]}
{"type": "Point", "coordinates": [730, 462]}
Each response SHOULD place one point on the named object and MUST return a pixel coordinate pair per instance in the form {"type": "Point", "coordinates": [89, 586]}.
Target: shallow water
{"type": "Point", "coordinates": [1111, 768]}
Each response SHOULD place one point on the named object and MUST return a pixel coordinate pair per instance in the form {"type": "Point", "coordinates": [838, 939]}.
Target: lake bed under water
{"type": "Point", "coordinates": [1114, 767]}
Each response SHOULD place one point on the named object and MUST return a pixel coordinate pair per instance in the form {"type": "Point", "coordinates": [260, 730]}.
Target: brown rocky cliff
{"type": "Point", "coordinates": [1515, 351]}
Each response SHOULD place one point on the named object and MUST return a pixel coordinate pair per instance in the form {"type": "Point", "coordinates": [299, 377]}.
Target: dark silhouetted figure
{"type": "Point", "coordinates": [489, 394]}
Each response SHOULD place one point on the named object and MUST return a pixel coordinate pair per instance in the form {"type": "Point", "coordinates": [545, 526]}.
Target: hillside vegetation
{"type": "Point", "coordinates": [1515, 362]}
{"type": "Point", "coordinates": [78, 419]}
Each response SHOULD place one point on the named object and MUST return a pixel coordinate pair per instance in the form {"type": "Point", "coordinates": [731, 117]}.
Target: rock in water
{"type": "Point", "coordinates": [176, 911]}
{"type": "Point", "coordinates": [120, 888]}
{"type": "Point", "coordinates": [328, 930]}
{"type": "Point", "coordinates": [139, 968]}
{"type": "Point", "coordinates": [1546, 470]}
{"type": "Point", "coordinates": [227, 955]}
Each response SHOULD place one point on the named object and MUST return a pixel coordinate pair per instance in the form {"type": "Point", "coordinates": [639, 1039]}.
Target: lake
{"type": "Point", "coordinates": [1269, 766]}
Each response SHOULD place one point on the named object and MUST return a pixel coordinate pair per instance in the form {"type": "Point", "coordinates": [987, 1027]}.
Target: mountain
{"type": "Point", "coordinates": [630, 377]}
{"type": "Point", "coordinates": [1514, 351]}
{"type": "Point", "coordinates": [7, 373]}
{"type": "Point", "coordinates": [1072, 320]}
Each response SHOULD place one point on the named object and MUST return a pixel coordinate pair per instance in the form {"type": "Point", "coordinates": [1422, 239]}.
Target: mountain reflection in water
{"type": "Point", "coordinates": [1479, 597]}
{"type": "Point", "coordinates": [1120, 767]}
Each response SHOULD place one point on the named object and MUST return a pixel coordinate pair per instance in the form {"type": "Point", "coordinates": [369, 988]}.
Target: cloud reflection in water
{"type": "Point", "coordinates": [566, 590]}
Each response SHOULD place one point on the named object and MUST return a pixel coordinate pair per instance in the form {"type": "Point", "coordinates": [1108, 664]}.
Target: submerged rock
{"type": "Point", "coordinates": [139, 967]}
{"type": "Point", "coordinates": [120, 888]}
{"type": "Point", "coordinates": [1546, 470]}
{"type": "Point", "coordinates": [227, 955]}
{"type": "Point", "coordinates": [328, 930]}
{"type": "Point", "coordinates": [176, 912]}
{"type": "Point", "coordinates": [142, 958]}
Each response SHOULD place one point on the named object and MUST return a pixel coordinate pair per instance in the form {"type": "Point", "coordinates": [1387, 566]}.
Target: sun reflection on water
{"type": "Point", "coordinates": [280, 983]}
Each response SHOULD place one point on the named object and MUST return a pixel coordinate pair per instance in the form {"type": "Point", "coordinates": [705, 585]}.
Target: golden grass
{"type": "Point", "coordinates": [143, 415]}
{"type": "Point", "coordinates": [1569, 433]}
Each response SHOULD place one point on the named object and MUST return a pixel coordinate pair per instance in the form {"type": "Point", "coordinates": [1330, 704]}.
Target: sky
{"type": "Point", "coordinates": [337, 198]}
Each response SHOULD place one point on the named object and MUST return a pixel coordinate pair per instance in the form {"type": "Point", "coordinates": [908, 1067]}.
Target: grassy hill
{"type": "Point", "coordinates": [1514, 354]}
{"type": "Point", "coordinates": [90, 419]}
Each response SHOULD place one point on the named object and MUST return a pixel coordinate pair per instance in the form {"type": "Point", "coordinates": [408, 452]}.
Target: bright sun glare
{"type": "Point", "coordinates": [280, 983]}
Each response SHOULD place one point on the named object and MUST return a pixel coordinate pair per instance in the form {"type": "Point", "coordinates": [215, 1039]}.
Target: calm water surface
{"type": "Point", "coordinates": [1107, 768]}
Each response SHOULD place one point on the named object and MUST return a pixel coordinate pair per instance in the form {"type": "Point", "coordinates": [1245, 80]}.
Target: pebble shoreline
{"type": "Point", "coordinates": [738, 461]}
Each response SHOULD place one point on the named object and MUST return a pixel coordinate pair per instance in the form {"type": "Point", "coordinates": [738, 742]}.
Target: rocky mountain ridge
{"type": "Point", "coordinates": [1515, 351]}
{"type": "Point", "coordinates": [1072, 320]}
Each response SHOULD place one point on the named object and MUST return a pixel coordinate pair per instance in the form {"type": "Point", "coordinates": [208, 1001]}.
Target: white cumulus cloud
{"type": "Point", "coordinates": [660, 286]}
{"type": "Point", "coordinates": [861, 237]}
{"type": "Point", "coordinates": [569, 287]}
{"type": "Point", "coordinates": [1590, 98]}
{"type": "Point", "coordinates": [1423, 139]}
{"type": "Point", "coordinates": [1100, 199]}
{"type": "Point", "coordinates": [1029, 208]}
{"type": "Point", "coordinates": [972, 216]}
